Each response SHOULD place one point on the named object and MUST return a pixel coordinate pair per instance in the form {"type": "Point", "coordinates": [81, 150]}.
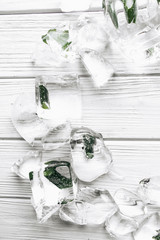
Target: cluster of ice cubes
{"type": "Point", "coordinates": [55, 188]}
{"type": "Point", "coordinates": [134, 26]}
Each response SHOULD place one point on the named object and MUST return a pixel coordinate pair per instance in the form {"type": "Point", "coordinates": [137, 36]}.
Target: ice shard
{"type": "Point", "coordinates": [54, 184]}
{"type": "Point", "coordinates": [90, 156]}
{"type": "Point", "coordinates": [129, 203]}
{"type": "Point", "coordinates": [92, 206]}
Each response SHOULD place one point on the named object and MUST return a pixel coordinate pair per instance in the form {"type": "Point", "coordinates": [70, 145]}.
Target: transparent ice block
{"type": "Point", "coordinates": [58, 98]}
{"type": "Point", "coordinates": [119, 225]}
{"type": "Point", "coordinates": [149, 190]}
{"type": "Point", "coordinates": [98, 67]}
{"type": "Point", "coordinates": [149, 228]}
{"type": "Point", "coordinates": [129, 203]}
{"type": "Point", "coordinates": [30, 162]}
{"type": "Point", "coordinates": [54, 184]}
{"type": "Point", "coordinates": [92, 206]}
{"type": "Point", "coordinates": [90, 156]}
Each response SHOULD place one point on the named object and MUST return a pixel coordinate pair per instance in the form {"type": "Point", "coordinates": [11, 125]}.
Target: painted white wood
{"type": "Point", "coordinates": [36, 6]}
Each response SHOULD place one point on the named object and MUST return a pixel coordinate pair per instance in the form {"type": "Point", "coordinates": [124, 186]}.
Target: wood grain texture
{"type": "Point", "coordinates": [37, 6]}
{"type": "Point", "coordinates": [127, 107]}
{"type": "Point", "coordinates": [134, 160]}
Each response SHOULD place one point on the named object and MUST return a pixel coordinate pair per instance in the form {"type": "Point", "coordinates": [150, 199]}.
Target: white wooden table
{"type": "Point", "coordinates": [126, 112]}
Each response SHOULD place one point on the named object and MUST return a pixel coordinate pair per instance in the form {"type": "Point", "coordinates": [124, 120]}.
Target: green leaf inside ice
{"type": "Point", "coordinates": [157, 237]}
{"type": "Point", "coordinates": [158, 1]}
{"type": "Point", "coordinates": [44, 97]}
{"type": "Point", "coordinates": [89, 142]}
{"type": "Point", "coordinates": [131, 13]}
{"type": "Point", "coordinates": [61, 37]}
{"type": "Point", "coordinates": [112, 14]}
{"type": "Point", "coordinates": [59, 173]}
{"type": "Point", "coordinates": [31, 176]}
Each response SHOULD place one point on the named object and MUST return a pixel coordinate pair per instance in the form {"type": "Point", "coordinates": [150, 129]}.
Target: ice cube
{"type": "Point", "coordinates": [57, 137]}
{"type": "Point", "coordinates": [149, 228]}
{"type": "Point", "coordinates": [60, 43]}
{"type": "Point", "coordinates": [58, 98]}
{"type": "Point", "coordinates": [149, 190]}
{"type": "Point", "coordinates": [26, 120]}
{"type": "Point", "coordinates": [129, 203]}
{"type": "Point", "coordinates": [52, 185]}
{"type": "Point", "coordinates": [92, 36]}
{"type": "Point", "coordinates": [30, 162]}
{"type": "Point", "coordinates": [119, 225]}
{"type": "Point", "coordinates": [92, 206]}
{"type": "Point", "coordinates": [90, 156]}
{"type": "Point", "coordinates": [99, 68]}
{"type": "Point", "coordinates": [74, 5]}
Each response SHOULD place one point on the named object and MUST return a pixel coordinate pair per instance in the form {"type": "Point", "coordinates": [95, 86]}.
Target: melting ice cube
{"type": "Point", "coordinates": [52, 185]}
{"type": "Point", "coordinates": [99, 68]}
{"type": "Point", "coordinates": [129, 203]}
{"type": "Point", "coordinates": [92, 206]}
{"type": "Point", "coordinates": [119, 225]}
{"type": "Point", "coordinates": [90, 157]}
{"type": "Point", "coordinates": [26, 120]}
{"type": "Point", "coordinates": [149, 228]}
{"type": "Point", "coordinates": [30, 162]}
{"type": "Point", "coordinates": [149, 190]}
{"type": "Point", "coordinates": [58, 98]}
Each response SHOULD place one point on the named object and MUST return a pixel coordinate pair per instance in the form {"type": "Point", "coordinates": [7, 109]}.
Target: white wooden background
{"type": "Point", "coordinates": [126, 112]}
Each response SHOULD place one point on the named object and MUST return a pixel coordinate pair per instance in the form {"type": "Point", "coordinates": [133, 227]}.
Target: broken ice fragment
{"type": "Point", "coordinates": [149, 190]}
{"type": "Point", "coordinates": [129, 203]}
{"type": "Point", "coordinates": [119, 225]}
{"type": "Point", "coordinates": [90, 157]}
{"type": "Point", "coordinates": [30, 162]}
{"type": "Point", "coordinates": [92, 206]}
{"type": "Point", "coordinates": [51, 185]}
{"type": "Point", "coordinates": [57, 137]}
{"type": "Point", "coordinates": [149, 228]}
{"type": "Point", "coordinates": [74, 5]}
{"type": "Point", "coordinates": [26, 120]}
{"type": "Point", "coordinates": [103, 70]}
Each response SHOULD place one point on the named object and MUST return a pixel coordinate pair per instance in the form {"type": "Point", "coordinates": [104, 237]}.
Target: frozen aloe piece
{"type": "Point", "coordinates": [57, 137]}
{"type": "Point", "coordinates": [119, 225]}
{"type": "Point", "coordinates": [92, 206]}
{"type": "Point", "coordinates": [149, 190]}
{"type": "Point", "coordinates": [90, 156]}
{"type": "Point", "coordinates": [149, 228]}
{"type": "Point", "coordinates": [54, 184]}
{"type": "Point", "coordinates": [60, 43]}
{"type": "Point", "coordinates": [99, 68]}
{"type": "Point", "coordinates": [26, 120]}
{"type": "Point", "coordinates": [62, 95]}
{"type": "Point", "coordinates": [30, 162]}
{"type": "Point", "coordinates": [74, 5]}
{"type": "Point", "coordinates": [129, 203]}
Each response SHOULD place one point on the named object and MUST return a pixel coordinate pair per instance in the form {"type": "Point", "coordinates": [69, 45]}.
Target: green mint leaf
{"type": "Point", "coordinates": [131, 13]}
{"type": "Point", "coordinates": [113, 15]}
{"type": "Point", "coordinates": [158, 1]}
{"type": "Point", "coordinates": [58, 179]}
{"type": "Point", "coordinates": [89, 142]}
{"type": "Point", "coordinates": [31, 176]}
{"type": "Point", "coordinates": [44, 97]}
{"type": "Point", "coordinates": [157, 237]}
{"type": "Point", "coordinates": [66, 45]}
{"type": "Point", "coordinates": [45, 38]}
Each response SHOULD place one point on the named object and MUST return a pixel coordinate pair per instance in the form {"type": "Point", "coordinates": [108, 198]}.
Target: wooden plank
{"type": "Point", "coordinates": [21, 33]}
{"type": "Point", "coordinates": [18, 221]}
{"type": "Point", "coordinates": [134, 160]}
{"type": "Point", "coordinates": [128, 107]}
{"type": "Point", "coordinates": [37, 6]}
